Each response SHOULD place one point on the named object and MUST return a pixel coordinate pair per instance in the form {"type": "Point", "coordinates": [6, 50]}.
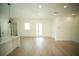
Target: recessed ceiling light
{"type": "Point", "coordinates": [65, 6]}
{"type": "Point", "coordinates": [40, 6]}
{"type": "Point", "coordinates": [55, 14]}
{"type": "Point", "coordinates": [73, 14]}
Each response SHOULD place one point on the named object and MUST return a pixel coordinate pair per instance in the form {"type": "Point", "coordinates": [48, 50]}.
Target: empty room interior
{"type": "Point", "coordinates": [39, 29]}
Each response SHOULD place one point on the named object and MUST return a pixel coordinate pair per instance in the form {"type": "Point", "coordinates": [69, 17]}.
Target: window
{"type": "Point", "coordinates": [27, 26]}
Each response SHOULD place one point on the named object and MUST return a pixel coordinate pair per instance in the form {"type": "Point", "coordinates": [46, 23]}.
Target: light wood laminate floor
{"type": "Point", "coordinates": [39, 46]}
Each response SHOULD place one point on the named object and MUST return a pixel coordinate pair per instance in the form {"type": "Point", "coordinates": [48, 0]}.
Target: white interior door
{"type": "Point", "coordinates": [39, 30]}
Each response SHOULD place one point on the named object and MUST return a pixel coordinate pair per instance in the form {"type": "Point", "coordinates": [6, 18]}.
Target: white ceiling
{"type": "Point", "coordinates": [31, 10]}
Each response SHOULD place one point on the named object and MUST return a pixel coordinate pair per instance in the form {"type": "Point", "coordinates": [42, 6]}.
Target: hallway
{"type": "Point", "coordinates": [45, 47]}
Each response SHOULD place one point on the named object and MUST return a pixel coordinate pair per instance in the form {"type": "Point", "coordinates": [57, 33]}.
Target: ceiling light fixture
{"type": "Point", "coordinates": [9, 13]}
{"type": "Point", "coordinates": [73, 14]}
{"type": "Point", "coordinates": [65, 6]}
{"type": "Point", "coordinates": [40, 6]}
{"type": "Point", "coordinates": [55, 14]}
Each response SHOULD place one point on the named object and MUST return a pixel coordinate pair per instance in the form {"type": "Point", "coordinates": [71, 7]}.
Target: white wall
{"type": "Point", "coordinates": [66, 28]}
{"type": "Point", "coordinates": [76, 29]}
{"type": "Point", "coordinates": [46, 26]}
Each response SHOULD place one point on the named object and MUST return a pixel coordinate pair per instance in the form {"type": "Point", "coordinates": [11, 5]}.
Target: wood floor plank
{"type": "Point", "coordinates": [46, 47]}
